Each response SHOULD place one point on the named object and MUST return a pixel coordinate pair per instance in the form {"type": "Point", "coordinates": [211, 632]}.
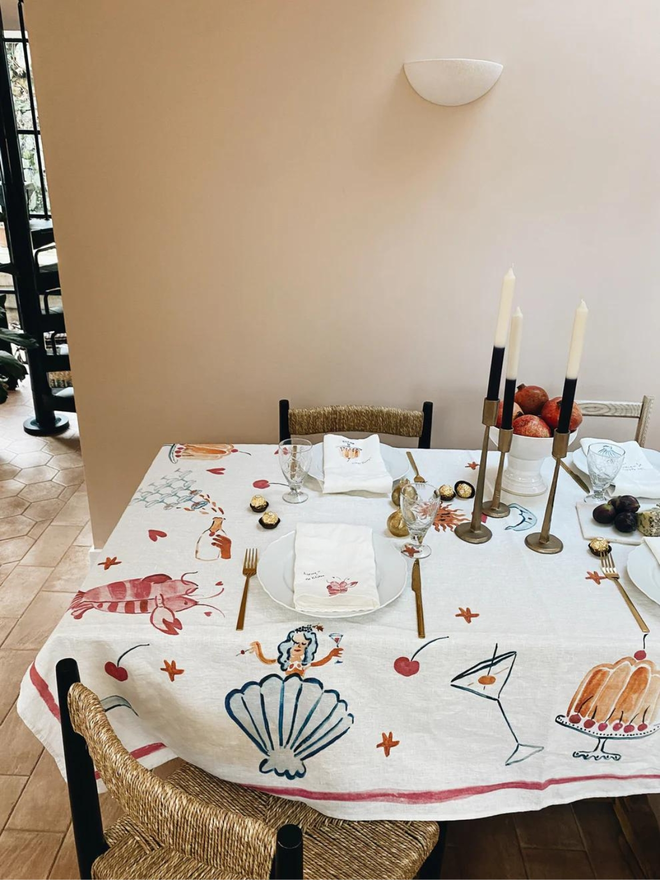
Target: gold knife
{"type": "Point", "coordinates": [417, 590]}
{"type": "Point", "coordinates": [572, 474]}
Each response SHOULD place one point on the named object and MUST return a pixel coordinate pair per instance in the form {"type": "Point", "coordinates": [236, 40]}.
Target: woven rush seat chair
{"type": "Point", "coordinates": [619, 409]}
{"type": "Point", "coordinates": [370, 419]}
{"type": "Point", "coordinates": [193, 825]}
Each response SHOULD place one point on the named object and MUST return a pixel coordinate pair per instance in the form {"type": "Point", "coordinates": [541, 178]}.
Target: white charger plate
{"type": "Point", "coordinates": [394, 459]}
{"type": "Point", "coordinates": [644, 572]}
{"type": "Point", "coordinates": [580, 459]}
{"type": "Point", "coordinates": [275, 573]}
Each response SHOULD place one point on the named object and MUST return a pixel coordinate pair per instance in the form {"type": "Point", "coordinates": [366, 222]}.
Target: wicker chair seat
{"type": "Point", "coordinates": [333, 848]}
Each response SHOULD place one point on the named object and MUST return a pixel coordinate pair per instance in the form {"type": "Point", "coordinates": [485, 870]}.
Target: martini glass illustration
{"type": "Point", "coordinates": [487, 679]}
{"type": "Point", "coordinates": [336, 638]}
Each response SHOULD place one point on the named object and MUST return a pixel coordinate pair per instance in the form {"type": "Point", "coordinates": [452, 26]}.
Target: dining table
{"type": "Point", "coordinates": [533, 685]}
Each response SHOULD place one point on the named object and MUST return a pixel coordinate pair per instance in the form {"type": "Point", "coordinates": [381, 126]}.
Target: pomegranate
{"type": "Point", "coordinates": [531, 426]}
{"type": "Point", "coordinates": [531, 399]}
{"type": "Point", "coordinates": [516, 412]}
{"type": "Point", "coordinates": [550, 414]}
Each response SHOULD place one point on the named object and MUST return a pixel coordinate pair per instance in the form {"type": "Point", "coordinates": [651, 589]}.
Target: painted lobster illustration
{"type": "Point", "coordinates": [156, 594]}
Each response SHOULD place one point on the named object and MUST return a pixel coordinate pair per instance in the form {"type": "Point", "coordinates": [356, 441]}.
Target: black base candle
{"type": "Point", "coordinates": [507, 406]}
{"type": "Point", "coordinates": [567, 400]}
{"type": "Point", "coordinates": [495, 374]}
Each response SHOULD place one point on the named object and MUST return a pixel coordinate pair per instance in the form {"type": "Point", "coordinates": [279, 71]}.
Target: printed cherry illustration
{"type": "Point", "coordinates": [408, 666]}
{"type": "Point", "coordinates": [155, 534]}
{"type": "Point", "coordinates": [115, 671]}
{"type": "Point", "coordinates": [261, 484]}
{"type": "Point", "coordinates": [405, 666]}
{"type": "Point", "coordinates": [218, 471]}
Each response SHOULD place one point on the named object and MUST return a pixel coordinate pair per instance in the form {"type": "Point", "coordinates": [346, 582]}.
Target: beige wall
{"type": "Point", "coordinates": [251, 202]}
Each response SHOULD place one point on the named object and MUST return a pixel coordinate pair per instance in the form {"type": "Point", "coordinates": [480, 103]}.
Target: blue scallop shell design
{"type": "Point", "coordinates": [289, 720]}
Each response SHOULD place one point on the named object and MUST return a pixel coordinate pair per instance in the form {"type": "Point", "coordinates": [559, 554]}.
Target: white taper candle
{"type": "Point", "coordinates": [577, 341]}
{"type": "Point", "coordinates": [513, 348]}
{"type": "Point", "coordinates": [506, 299]}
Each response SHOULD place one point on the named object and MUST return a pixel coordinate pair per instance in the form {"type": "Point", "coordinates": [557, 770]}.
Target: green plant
{"type": "Point", "coordinates": [11, 369]}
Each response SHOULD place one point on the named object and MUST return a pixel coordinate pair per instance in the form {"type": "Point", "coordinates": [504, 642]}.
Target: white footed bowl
{"type": "Point", "coordinates": [522, 475]}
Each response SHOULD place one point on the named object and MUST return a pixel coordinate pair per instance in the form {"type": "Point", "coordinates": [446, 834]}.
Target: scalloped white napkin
{"type": "Point", "coordinates": [334, 568]}
{"type": "Point", "coordinates": [354, 466]}
{"type": "Point", "coordinates": [637, 476]}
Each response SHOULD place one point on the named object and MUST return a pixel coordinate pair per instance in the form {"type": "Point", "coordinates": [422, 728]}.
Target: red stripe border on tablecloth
{"type": "Point", "coordinates": [375, 796]}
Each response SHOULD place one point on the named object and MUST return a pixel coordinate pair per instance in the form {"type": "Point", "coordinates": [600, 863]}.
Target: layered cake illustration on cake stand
{"type": "Point", "coordinates": [615, 701]}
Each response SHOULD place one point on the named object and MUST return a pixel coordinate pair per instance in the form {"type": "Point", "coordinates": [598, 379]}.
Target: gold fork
{"type": "Point", "coordinates": [249, 570]}
{"type": "Point", "coordinates": [417, 478]}
{"type": "Point", "coordinates": [610, 572]}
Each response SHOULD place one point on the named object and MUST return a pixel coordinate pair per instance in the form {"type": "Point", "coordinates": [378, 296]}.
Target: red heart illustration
{"type": "Point", "coordinates": [405, 666]}
{"type": "Point", "coordinates": [218, 471]}
{"type": "Point", "coordinates": [261, 484]}
{"type": "Point", "coordinates": [208, 613]}
{"type": "Point", "coordinates": [155, 534]}
{"type": "Point", "coordinates": [115, 671]}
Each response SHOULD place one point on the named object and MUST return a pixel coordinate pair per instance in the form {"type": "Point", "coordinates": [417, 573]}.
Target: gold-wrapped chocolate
{"type": "Point", "coordinates": [396, 524]}
{"type": "Point", "coordinates": [258, 504]}
{"type": "Point", "coordinates": [446, 492]}
{"type": "Point", "coordinates": [396, 491]}
{"type": "Point", "coordinates": [599, 546]}
{"type": "Point", "coordinates": [464, 489]}
{"type": "Point", "coordinates": [269, 521]}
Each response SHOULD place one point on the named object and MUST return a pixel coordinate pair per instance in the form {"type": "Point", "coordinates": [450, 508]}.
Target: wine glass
{"type": "Point", "coordinates": [419, 504]}
{"type": "Point", "coordinates": [604, 462]}
{"type": "Point", "coordinates": [295, 456]}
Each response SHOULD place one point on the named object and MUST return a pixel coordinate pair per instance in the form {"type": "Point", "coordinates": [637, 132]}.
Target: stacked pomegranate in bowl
{"type": "Point", "coordinates": [535, 419]}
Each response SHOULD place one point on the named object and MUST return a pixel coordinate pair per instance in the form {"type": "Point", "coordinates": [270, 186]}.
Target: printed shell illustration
{"type": "Point", "coordinates": [289, 720]}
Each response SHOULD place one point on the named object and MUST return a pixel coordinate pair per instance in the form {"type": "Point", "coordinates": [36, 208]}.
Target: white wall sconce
{"type": "Point", "coordinates": [451, 82]}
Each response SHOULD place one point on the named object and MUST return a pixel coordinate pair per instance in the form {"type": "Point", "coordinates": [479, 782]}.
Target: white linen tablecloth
{"type": "Point", "coordinates": [374, 723]}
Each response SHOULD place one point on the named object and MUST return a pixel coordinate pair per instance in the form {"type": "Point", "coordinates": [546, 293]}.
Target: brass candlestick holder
{"type": "Point", "coordinates": [475, 532]}
{"type": "Point", "coordinates": [543, 541]}
{"type": "Point", "coordinates": [497, 508]}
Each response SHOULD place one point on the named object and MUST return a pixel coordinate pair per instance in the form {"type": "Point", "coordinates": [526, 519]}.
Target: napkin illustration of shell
{"type": "Point", "coordinates": [289, 720]}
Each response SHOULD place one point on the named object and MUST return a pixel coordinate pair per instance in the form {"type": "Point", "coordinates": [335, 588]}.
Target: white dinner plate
{"type": "Point", "coordinates": [580, 459]}
{"type": "Point", "coordinates": [275, 573]}
{"type": "Point", "coordinates": [394, 459]}
{"type": "Point", "coordinates": [644, 572]}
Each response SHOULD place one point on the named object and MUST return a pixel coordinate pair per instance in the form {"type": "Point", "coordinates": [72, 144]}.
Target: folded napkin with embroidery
{"type": "Point", "coordinates": [334, 568]}
{"type": "Point", "coordinates": [654, 546]}
{"type": "Point", "coordinates": [637, 476]}
{"type": "Point", "coordinates": [354, 466]}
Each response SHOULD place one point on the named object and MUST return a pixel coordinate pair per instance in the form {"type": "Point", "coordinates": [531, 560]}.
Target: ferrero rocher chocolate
{"type": "Point", "coordinates": [396, 524]}
{"type": "Point", "coordinates": [599, 546]}
{"type": "Point", "coordinates": [258, 504]}
{"type": "Point", "coordinates": [446, 492]}
{"type": "Point", "coordinates": [464, 489]}
{"type": "Point", "coordinates": [269, 521]}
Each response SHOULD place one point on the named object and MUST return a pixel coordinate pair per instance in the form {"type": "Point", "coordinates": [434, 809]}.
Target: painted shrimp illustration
{"type": "Point", "coordinates": [157, 595]}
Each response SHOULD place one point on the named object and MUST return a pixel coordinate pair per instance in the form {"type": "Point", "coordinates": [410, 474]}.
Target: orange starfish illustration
{"type": "Point", "coordinates": [171, 669]}
{"type": "Point", "coordinates": [388, 743]}
{"type": "Point", "coordinates": [466, 614]}
{"type": "Point", "coordinates": [448, 518]}
{"type": "Point", "coordinates": [595, 577]}
{"type": "Point", "coordinates": [108, 562]}
{"type": "Point", "coordinates": [473, 465]}
{"type": "Point", "coordinates": [410, 550]}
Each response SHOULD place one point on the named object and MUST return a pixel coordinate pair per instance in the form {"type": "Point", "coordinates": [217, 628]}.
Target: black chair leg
{"type": "Point", "coordinates": [288, 861]}
{"type": "Point", "coordinates": [427, 426]}
{"type": "Point", "coordinates": [432, 867]}
{"type": "Point", "coordinates": [83, 794]}
{"type": "Point", "coordinates": [284, 420]}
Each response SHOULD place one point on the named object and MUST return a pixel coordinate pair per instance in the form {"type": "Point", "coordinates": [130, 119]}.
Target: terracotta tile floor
{"type": "Point", "coordinates": [44, 546]}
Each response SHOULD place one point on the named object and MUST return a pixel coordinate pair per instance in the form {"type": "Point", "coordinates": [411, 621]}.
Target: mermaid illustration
{"type": "Point", "coordinates": [296, 653]}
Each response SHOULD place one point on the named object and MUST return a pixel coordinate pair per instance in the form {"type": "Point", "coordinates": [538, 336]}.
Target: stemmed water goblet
{"type": "Point", "coordinates": [295, 455]}
{"type": "Point", "coordinates": [419, 504]}
{"type": "Point", "coordinates": [604, 461]}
